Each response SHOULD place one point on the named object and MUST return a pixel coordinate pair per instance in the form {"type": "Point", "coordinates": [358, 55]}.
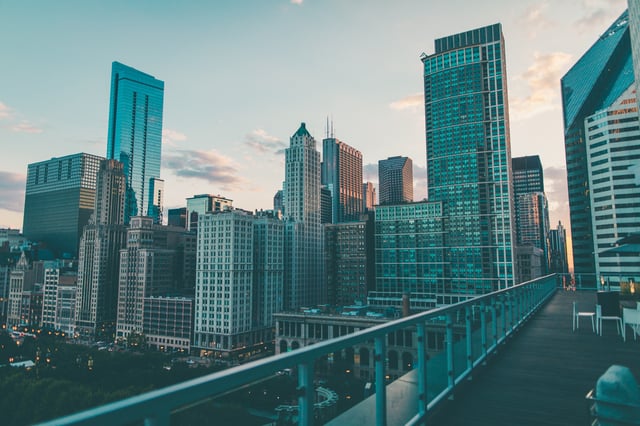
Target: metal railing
{"type": "Point", "coordinates": [480, 324]}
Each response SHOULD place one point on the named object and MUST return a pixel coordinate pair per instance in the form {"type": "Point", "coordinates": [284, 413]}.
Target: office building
{"type": "Point", "coordinates": [350, 261]}
{"type": "Point", "coordinates": [177, 217]}
{"type": "Point", "coordinates": [304, 280]}
{"type": "Point", "coordinates": [612, 138]}
{"type": "Point", "coordinates": [634, 33]}
{"type": "Point", "coordinates": [168, 323]}
{"type": "Point", "coordinates": [409, 255]}
{"type": "Point", "coordinates": [148, 267]}
{"type": "Point", "coordinates": [202, 204]}
{"type": "Point", "coordinates": [368, 196]}
{"type": "Point", "coordinates": [24, 304]}
{"type": "Point", "coordinates": [58, 296]}
{"type": "Point", "coordinates": [592, 84]}
{"type": "Point", "coordinates": [59, 200]}
{"type": "Point", "coordinates": [469, 158]}
{"type": "Point", "coordinates": [558, 250]}
{"type": "Point", "coordinates": [531, 206]}
{"type": "Point", "coordinates": [135, 136]}
{"type": "Point", "coordinates": [395, 180]}
{"type": "Point", "coordinates": [98, 260]}
{"type": "Point", "coordinates": [278, 202]}
{"type": "Point", "coordinates": [342, 175]}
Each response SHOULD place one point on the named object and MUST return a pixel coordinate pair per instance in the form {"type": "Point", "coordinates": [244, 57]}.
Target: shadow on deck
{"type": "Point", "coordinates": [542, 375]}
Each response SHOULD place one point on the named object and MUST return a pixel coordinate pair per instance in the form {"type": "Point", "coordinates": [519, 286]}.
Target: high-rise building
{"type": "Point", "coordinates": [350, 261]}
{"type": "Point", "coordinates": [395, 180]}
{"type": "Point", "coordinates": [531, 207]}
{"type": "Point", "coordinates": [368, 196]}
{"type": "Point", "coordinates": [98, 260]}
{"type": "Point", "coordinates": [304, 281]}
{"type": "Point", "coordinates": [634, 32]}
{"type": "Point", "coordinates": [156, 200]}
{"type": "Point", "coordinates": [409, 255]}
{"type": "Point", "coordinates": [558, 250]}
{"type": "Point", "coordinates": [135, 135]}
{"type": "Point", "coordinates": [599, 77]}
{"type": "Point", "coordinates": [278, 202]}
{"type": "Point", "coordinates": [177, 217]}
{"type": "Point", "coordinates": [147, 268]}
{"type": "Point", "coordinates": [342, 175]}
{"type": "Point", "coordinates": [469, 157]}
{"type": "Point", "coordinates": [612, 138]}
{"type": "Point", "coordinates": [202, 204]}
{"type": "Point", "coordinates": [58, 295]}
{"type": "Point", "coordinates": [59, 200]}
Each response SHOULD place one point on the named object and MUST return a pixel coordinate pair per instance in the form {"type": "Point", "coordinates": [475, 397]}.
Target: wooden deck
{"type": "Point", "coordinates": [542, 375]}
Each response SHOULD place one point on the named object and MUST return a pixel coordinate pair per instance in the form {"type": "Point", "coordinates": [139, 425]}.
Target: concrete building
{"type": "Point", "coordinates": [202, 204]}
{"type": "Point", "coordinates": [168, 323]}
{"type": "Point", "coordinates": [368, 196]}
{"type": "Point", "coordinates": [304, 280]}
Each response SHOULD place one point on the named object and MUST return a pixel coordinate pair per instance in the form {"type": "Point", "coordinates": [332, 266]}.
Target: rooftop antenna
{"type": "Point", "coordinates": [332, 133]}
{"type": "Point", "coordinates": [326, 129]}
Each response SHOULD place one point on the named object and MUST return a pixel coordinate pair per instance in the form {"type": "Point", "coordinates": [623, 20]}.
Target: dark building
{"type": "Point", "coordinates": [59, 200]}
{"type": "Point", "coordinates": [395, 180]}
{"type": "Point", "coordinates": [177, 217]}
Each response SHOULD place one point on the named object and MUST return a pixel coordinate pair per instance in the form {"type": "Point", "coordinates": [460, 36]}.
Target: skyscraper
{"type": "Point", "coordinates": [304, 283]}
{"type": "Point", "coordinates": [469, 157]}
{"type": "Point", "coordinates": [59, 200]}
{"type": "Point", "coordinates": [558, 250]}
{"type": "Point", "coordinates": [204, 203]}
{"type": "Point", "coordinates": [395, 180]}
{"type": "Point", "coordinates": [368, 196]}
{"type": "Point", "coordinates": [342, 175]}
{"type": "Point", "coordinates": [599, 77]}
{"type": "Point", "coordinates": [613, 148]}
{"type": "Point", "coordinates": [135, 135]}
{"type": "Point", "coordinates": [531, 206]}
{"type": "Point", "coordinates": [98, 259]}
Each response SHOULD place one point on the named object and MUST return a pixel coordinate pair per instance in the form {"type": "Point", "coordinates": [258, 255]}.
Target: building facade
{"type": "Point", "coordinates": [59, 199]}
{"type": "Point", "coordinates": [469, 158]}
{"type": "Point", "coordinates": [135, 135]}
{"type": "Point", "coordinates": [202, 204]}
{"type": "Point", "coordinates": [593, 83]}
{"type": "Point", "coordinates": [612, 137]}
{"type": "Point", "coordinates": [558, 250]}
{"type": "Point", "coordinates": [395, 180]}
{"type": "Point", "coordinates": [304, 281]}
{"type": "Point", "coordinates": [342, 175]}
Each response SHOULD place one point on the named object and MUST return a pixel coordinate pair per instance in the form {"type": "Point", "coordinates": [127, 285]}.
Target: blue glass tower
{"type": "Point", "coordinates": [135, 134]}
{"type": "Point", "coordinates": [469, 158]}
{"type": "Point", "coordinates": [599, 77]}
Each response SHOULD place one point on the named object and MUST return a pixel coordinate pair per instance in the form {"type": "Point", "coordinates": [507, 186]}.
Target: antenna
{"type": "Point", "coordinates": [326, 129]}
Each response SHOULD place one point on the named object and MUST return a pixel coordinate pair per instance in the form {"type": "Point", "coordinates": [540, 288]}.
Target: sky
{"type": "Point", "coordinates": [240, 77]}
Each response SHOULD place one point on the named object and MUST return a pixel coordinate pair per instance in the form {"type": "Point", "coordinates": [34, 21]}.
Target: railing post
{"type": "Point", "coordinates": [422, 369]}
{"type": "Point", "coordinates": [483, 329]}
{"type": "Point", "coordinates": [381, 389]}
{"type": "Point", "coordinates": [449, 349]}
{"type": "Point", "coordinates": [468, 331]}
{"type": "Point", "coordinates": [503, 312]}
{"type": "Point", "coordinates": [494, 321]}
{"type": "Point", "coordinates": [305, 394]}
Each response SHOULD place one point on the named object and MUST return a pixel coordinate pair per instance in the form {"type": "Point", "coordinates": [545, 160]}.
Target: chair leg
{"type": "Point", "coordinates": [593, 327]}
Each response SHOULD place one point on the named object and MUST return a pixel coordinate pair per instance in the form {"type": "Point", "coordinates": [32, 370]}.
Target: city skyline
{"type": "Point", "coordinates": [233, 95]}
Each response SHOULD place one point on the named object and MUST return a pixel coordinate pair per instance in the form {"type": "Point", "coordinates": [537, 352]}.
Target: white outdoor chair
{"type": "Point", "coordinates": [600, 318]}
{"type": "Point", "coordinates": [631, 317]}
{"type": "Point", "coordinates": [576, 318]}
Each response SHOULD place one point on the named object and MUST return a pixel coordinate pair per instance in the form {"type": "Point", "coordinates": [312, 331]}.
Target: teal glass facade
{"type": "Point", "coordinates": [599, 77]}
{"type": "Point", "coordinates": [469, 158]}
{"type": "Point", "coordinates": [135, 134]}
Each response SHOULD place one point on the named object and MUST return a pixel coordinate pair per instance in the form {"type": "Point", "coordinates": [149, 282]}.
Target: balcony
{"type": "Point", "coordinates": [509, 357]}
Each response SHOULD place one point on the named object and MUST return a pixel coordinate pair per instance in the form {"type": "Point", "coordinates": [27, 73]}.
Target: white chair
{"type": "Point", "coordinates": [576, 317]}
{"type": "Point", "coordinates": [631, 317]}
{"type": "Point", "coordinates": [600, 318]}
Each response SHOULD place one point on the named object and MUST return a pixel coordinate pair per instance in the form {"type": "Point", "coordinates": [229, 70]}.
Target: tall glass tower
{"type": "Point", "coordinates": [469, 157]}
{"type": "Point", "coordinates": [135, 136]}
{"type": "Point", "coordinates": [599, 77]}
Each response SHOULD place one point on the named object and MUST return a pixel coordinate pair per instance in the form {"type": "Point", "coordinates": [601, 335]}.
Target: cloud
{"type": "Point", "coordinates": [598, 15]}
{"type": "Point", "coordinates": [261, 141]}
{"type": "Point", "coordinates": [370, 172]}
{"type": "Point", "coordinates": [209, 166]}
{"type": "Point", "coordinates": [25, 127]}
{"type": "Point", "coordinates": [296, 1]}
{"type": "Point", "coordinates": [543, 80]}
{"type": "Point", "coordinates": [535, 19]}
{"type": "Point", "coordinates": [555, 181]}
{"type": "Point", "coordinates": [12, 187]}
{"type": "Point", "coordinates": [411, 102]}
{"type": "Point", "coordinates": [171, 137]}
{"type": "Point", "coordinates": [5, 111]}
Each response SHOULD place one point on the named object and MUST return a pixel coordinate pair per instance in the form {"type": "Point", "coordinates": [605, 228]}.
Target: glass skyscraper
{"type": "Point", "coordinates": [395, 180]}
{"type": "Point", "coordinates": [599, 77]}
{"type": "Point", "coordinates": [469, 157]}
{"type": "Point", "coordinates": [135, 136]}
{"type": "Point", "coordinates": [342, 175]}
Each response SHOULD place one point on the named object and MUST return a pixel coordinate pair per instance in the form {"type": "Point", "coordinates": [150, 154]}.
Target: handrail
{"type": "Point", "coordinates": [155, 407]}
